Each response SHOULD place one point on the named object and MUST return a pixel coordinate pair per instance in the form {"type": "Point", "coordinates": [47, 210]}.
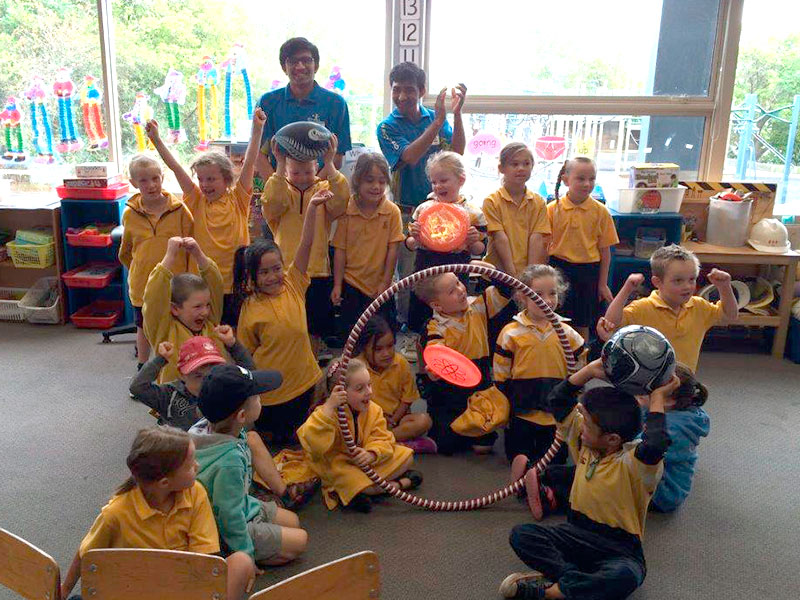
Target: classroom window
{"type": "Point", "coordinates": [56, 119]}
{"type": "Point", "coordinates": [583, 47]}
{"type": "Point", "coordinates": [614, 141]}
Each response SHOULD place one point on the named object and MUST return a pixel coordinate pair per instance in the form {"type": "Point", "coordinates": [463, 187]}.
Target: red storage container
{"type": "Point", "coordinates": [100, 240]}
{"type": "Point", "coordinates": [100, 314]}
{"type": "Point", "coordinates": [91, 275]}
{"type": "Point", "coordinates": [112, 192]}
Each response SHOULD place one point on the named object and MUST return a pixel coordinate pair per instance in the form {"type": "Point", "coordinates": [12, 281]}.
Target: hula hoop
{"type": "Point", "coordinates": [448, 505]}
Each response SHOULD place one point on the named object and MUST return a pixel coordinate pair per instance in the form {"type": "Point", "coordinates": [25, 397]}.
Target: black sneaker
{"type": "Point", "coordinates": [526, 586]}
{"type": "Point", "coordinates": [360, 503]}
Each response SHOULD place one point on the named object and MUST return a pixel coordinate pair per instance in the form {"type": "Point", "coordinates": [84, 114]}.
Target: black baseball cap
{"type": "Point", "coordinates": [226, 387]}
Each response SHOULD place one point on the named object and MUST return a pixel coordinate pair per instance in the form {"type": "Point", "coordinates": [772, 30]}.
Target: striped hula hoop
{"type": "Point", "coordinates": [355, 333]}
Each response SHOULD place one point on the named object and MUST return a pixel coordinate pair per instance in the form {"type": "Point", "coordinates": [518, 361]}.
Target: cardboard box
{"type": "Point", "coordinates": [694, 208]}
{"type": "Point", "coordinates": [93, 170]}
{"type": "Point", "coordinates": [653, 175]}
{"type": "Point", "coordinates": [93, 182]}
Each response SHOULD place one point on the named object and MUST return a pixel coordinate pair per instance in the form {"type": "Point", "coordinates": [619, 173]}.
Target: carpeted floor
{"type": "Point", "coordinates": [67, 424]}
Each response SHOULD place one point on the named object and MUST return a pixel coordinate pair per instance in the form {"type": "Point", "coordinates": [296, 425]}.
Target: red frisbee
{"type": "Point", "coordinates": [451, 366]}
{"type": "Point", "coordinates": [443, 226]}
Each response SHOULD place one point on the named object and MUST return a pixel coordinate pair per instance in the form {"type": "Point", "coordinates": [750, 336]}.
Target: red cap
{"type": "Point", "coordinates": [196, 352]}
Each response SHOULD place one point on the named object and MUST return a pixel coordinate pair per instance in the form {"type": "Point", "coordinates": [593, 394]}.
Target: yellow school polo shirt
{"type": "Point", "coordinates": [394, 385]}
{"type": "Point", "coordinates": [619, 490]}
{"type": "Point", "coordinates": [580, 231]}
{"type": "Point", "coordinates": [518, 221]}
{"type": "Point", "coordinates": [144, 241]}
{"type": "Point", "coordinates": [284, 208]}
{"type": "Point", "coordinates": [128, 521]}
{"type": "Point", "coordinates": [274, 330]}
{"type": "Point", "coordinates": [221, 227]}
{"type": "Point", "coordinates": [685, 329]}
{"type": "Point", "coordinates": [366, 239]}
{"type": "Point", "coordinates": [528, 350]}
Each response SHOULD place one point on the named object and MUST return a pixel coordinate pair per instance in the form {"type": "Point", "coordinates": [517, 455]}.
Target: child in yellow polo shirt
{"type": "Point", "coordinates": [528, 362]}
{"type": "Point", "coordinates": [516, 217]}
{"type": "Point", "coordinates": [151, 217]}
{"type": "Point", "coordinates": [672, 307]}
{"type": "Point", "coordinates": [394, 388]}
{"type": "Point", "coordinates": [178, 307]}
{"type": "Point", "coordinates": [598, 552]}
{"type": "Point", "coordinates": [273, 327]}
{"type": "Point", "coordinates": [284, 203]}
{"type": "Point", "coordinates": [342, 478]}
{"type": "Point", "coordinates": [220, 206]}
{"type": "Point", "coordinates": [162, 507]}
{"type": "Point", "coordinates": [464, 418]}
{"type": "Point", "coordinates": [366, 242]}
{"type": "Point", "coordinates": [580, 245]}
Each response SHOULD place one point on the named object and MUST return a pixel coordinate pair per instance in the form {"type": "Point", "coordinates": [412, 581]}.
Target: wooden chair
{"type": "Point", "coordinates": [27, 570]}
{"type": "Point", "coordinates": [137, 574]}
{"type": "Point", "coordinates": [354, 577]}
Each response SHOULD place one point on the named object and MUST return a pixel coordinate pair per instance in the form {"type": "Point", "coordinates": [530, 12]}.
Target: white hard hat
{"type": "Point", "coordinates": [740, 291]}
{"type": "Point", "coordinates": [769, 235]}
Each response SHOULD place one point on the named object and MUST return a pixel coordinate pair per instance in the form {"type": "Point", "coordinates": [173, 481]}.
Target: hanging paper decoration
{"type": "Point", "coordinates": [36, 95]}
{"type": "Point", "coordinates": [10, 118]}
{"type": "Point", "coordinates": [138, 116]}
{"type": "Point", "coordinates": [276, 83]}
{"type": "Point", "coordinates": [335, 82]}
{"type": "Point", "coordinates": [207, 79]}
{"type": "Point", "coordinates": [236, 63]}
{"type": "Point", "coordinates": [92, 119]}
{"type": "Point", "coordinates": [173, 93]}
{"type": "Point", "coordinates": [63, 88]}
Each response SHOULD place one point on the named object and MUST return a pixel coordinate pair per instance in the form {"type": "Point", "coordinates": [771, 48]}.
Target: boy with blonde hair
{"type": "Point", "coordinates": [672, 307]}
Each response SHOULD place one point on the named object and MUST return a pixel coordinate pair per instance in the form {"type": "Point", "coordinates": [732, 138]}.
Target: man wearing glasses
{"type": "Point", "coordinates": [302, 100]}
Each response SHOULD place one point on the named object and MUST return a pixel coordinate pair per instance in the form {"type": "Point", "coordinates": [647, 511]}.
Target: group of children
{"type": "Point", "coordinates": [232, 324]}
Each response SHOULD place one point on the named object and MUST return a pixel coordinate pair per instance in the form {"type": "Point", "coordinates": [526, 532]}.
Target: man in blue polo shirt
{"type": "Point", "coordinates": [408, 136]}
{"type": "Point", "coordinates": [302, 100]}
{"type": "Point", "coordinates": [412, 132]}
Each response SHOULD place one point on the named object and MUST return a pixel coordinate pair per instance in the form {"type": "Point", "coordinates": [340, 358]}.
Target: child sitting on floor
{"type": "Point", "coordinates": [464, 418]}
{"type": "Point", "coordinates": [598, 552]}
{"type": "Point", "coordinates": [342, 478]}
{"type": "Point", "coordinates": [175, 402]}
{"type": "Point", "coordinates": [394, 388]}
{"type": "Point", "coordinates": [229, 402]}
{"type": "Point", "coordinates": [177, 307]}
{"type": "Point", "coordinates": [161, 506]}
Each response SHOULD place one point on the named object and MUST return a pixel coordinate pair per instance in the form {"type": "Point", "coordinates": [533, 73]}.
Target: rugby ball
{"type": "Point", "coordinates": [303, 140]}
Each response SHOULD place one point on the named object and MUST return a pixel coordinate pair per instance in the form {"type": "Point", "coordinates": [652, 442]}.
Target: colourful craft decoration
{"type": "Point", "coordinates": [236, 63]}
{"type": "Point", "coordinates": [92, 119]}
{"type": "Point", "coordinates": [10, 118]}
{"type": "Point", "coordinates": [452, 366]}
{"type": "Point", "coordinates": [138, 116]}
{"type": "Point", "coordinates": [64, 89]}
{"type": "Point", "coordinates": [335, 82]}
{"type": "Point", "coordinates": [207, 79]}
{"type": "Point", "coordinates": [173, 93]}
{"type": "Point", "coordinates": [36, 95]}
{"type": "Point", "coordinates": [443, 227]}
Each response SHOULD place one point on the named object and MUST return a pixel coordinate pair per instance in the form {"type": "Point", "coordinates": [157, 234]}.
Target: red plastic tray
{"type": "Point", "coordinates": [91, 275]}
{"type": "Point", "coordinates": [100, 314]}
{"type": "Point", "coordinates": [112, 192]}
{"type": "Point", "coordinates": [101, 240]}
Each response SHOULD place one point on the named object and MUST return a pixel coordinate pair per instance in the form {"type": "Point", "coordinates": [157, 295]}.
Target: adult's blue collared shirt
{"type": "Point", "coordinates": [321, 105]}
{"type": "Point", "coordinates": [410, 185]}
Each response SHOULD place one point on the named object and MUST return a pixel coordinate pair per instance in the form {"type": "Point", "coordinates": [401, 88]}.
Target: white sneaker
{"type": "Point", "coordinates": [408, 347]}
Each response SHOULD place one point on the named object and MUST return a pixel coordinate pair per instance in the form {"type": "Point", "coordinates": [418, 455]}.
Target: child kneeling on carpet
{"type": "Point", "coordinates": [161, 507]}
{"type": "Point", "coordinates": [342, 478]}
{"type": "Point", "coordinates": [598, 552]}
{"type": "Point", "coordinates": [229, 401]}
{"type": "Point", "coordinates": [394, 388]}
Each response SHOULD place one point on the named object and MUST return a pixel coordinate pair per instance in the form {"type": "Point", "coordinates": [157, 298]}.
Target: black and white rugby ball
{"type": "Point", "coordinates": [303, 140]}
